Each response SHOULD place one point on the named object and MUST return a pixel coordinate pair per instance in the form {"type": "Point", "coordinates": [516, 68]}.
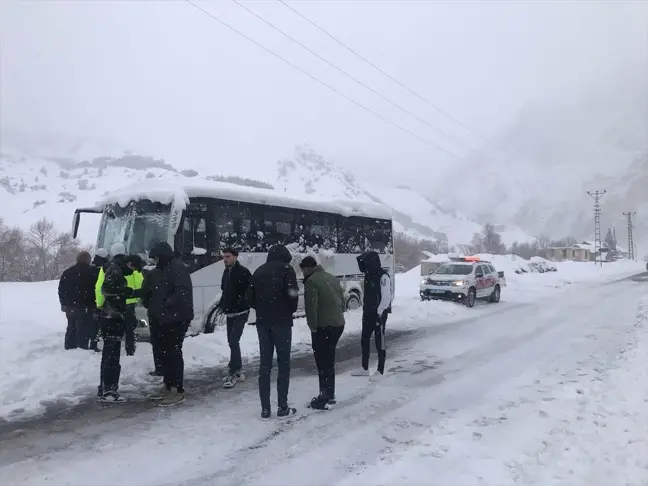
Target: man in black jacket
{"type": "Point", "coordinates": [111, 321]}
{"type": "Point", "coordinates": [375, 308]}
{"type": "Point", "coordinates": [171, 306]}
{"type": "Point", "coordinates": [150, 277]}
{"type": "Point", "coordinates": [233, 303]}
{"type": "Point", "coordinates": [274, 295]}
{"type": "Point", "coordinates": [76, 295]}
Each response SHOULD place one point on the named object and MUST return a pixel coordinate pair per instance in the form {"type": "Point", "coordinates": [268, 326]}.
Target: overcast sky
{"type": "Point", "coordinates": [165, 78]}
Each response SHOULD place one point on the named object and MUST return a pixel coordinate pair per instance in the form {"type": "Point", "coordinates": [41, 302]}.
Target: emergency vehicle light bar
{"type": "Point", "coordinates": [472, 259]}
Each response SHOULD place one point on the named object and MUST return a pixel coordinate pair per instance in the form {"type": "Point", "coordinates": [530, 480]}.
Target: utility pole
{"type": "Point", "coordinates": [631, 252]}
{"type": "Point", "coordinates": [597, 195]}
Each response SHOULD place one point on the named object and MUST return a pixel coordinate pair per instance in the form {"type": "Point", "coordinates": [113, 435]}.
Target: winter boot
{"type": "Point", "coordinates": [265, 413]}
{"type": "Point", "coordinates": [319, 403]}
{"type": "Point", "coordinates": [160, 395]}
{"type": "Point", "coordinates": [286, 412]}
{"type": "Point", "coordinates": [112, 397]}
{"type": "Point", "coordinates": [230, 381]}
{"type": "Point", "coordinates": [174, 397]}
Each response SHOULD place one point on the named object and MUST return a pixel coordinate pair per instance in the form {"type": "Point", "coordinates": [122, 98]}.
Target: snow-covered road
{"type": "Point", "coordinates": [546, 393]}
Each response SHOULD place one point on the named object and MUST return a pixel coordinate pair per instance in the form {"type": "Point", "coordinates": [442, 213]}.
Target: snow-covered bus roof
{"type": "Point", "coordinates": [176, 192]}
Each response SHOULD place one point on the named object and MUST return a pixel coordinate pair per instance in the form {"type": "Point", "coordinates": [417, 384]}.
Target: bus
{"type": "Point", "coordinates": [200, 219]}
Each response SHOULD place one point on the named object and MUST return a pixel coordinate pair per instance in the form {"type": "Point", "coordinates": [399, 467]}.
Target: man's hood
{"type": "Point", "coordinates": [279, 253]}
{"type": "Point", "coordinates": [163, 252]}
{"type": "Point", "coordinates": [369, 262]}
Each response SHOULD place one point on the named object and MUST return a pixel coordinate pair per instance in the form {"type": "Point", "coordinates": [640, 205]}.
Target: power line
{"type": "Point", "coordinates": [342, 71]}
{"type": "Point", "coordinates": [314, 78]}
{"type": "Point", "coordinates": [377, 68]}
{"type": "Point", "coordinates": [630, 215]}
{"type": "Point", "coordinates": [597, 223]}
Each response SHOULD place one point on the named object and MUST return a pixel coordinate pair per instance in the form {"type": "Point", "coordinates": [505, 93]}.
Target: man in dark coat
{"type": "Point", "coordinates": [324, 305]}
{"type": "Point", "coordinates": [115, 291]}
{"type": "Point", "coordinates": [76, 295]}
{"type": "Point", "coordinates": [150, 277]}
{"type": "Point", "coordinates": [375, 308]}
{"type": "Point", "coordinates": [233, 303]}
{"type": "Point", "coordinates": [171, 306]}
{"type": "Point", "coordinates": [274, 295]}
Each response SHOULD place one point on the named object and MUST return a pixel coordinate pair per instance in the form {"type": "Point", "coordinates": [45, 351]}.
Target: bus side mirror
{"type": "Point", "coordinates": [75, 223]}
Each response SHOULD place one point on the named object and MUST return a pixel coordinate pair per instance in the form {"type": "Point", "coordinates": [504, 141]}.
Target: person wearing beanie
{"type": "Point", "coordinates": [101, 257]}
{"type": "Point", "coordinates": [274, 295]}
{"type": "Point", "coordinates": [114, 292]}
{"type": "Point", "coordinates": [324, 305]}
{"type": "Point", "coordinates": [169, 297]}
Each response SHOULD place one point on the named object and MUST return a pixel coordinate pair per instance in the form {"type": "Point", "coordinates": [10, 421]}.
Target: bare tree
{"type": "Point", "coordinates": [41, 254]}
{"type": "Point", "coordinates": [43, 239]}
{"type": "Point", "coordinates": [492, 240]}
{"type": "Point", "coordinates": [408, 251]}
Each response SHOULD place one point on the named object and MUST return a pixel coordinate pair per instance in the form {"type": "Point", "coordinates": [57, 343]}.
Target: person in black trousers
{"type": "Point", "coordinates": [324, 305]}
{"type": "Point", "coordinates": [375, 308]}
{"type": "Point", "coordinates": [76, 296]}
{"type": "Point", "coordinates": [115, 291]}
{"type": "Point", "coordinates": [154, 327]}
{"type": "Point", "coordinates": [274, 295]}
{"type": "Point", "coordinates": [171, 306]}
{"type": "Point", "coordinates": [99, 261]}
{"type": "Point", "coordinates": [233, 303]}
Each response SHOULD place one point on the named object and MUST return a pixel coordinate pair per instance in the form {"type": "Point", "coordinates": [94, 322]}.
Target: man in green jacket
{"type": "Point", "coordinates": [325, 306]}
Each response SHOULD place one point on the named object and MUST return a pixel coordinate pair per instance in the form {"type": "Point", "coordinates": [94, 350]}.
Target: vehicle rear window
{"type": "Point", "coordinates": [454, 269]}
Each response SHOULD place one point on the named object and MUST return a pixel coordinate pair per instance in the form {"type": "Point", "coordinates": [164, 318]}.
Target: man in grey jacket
{"type": "Point", "coordinates": [324, 306]}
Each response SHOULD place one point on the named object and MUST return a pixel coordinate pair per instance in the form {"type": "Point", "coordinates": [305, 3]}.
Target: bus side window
{"type": "Point", "coordinates": [377, 235]}
{"type": "Point", "coordinates": [237, 225]}
{"type": "Point", "coordinates": [278, 228]}
{"type": "Point", "coordinates": [317, 231]}
{"type": "Point", "coordinates": [350, 235]}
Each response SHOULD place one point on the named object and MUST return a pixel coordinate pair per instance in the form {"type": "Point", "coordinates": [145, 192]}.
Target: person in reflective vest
{"type": "Point", "coordinates": [134, 281]}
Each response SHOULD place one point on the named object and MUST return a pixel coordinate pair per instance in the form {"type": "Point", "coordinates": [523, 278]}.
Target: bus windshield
{"type": "Point", "coordinates": [139, 226]}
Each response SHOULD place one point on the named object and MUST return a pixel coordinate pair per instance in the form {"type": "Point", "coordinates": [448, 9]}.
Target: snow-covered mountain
{"type": "Point", "coordinates": [35, 185]}
{"type": "Point", "coordinates": [560, 151]}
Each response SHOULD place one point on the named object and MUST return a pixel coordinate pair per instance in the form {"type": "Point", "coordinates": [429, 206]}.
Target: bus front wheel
{"type": "Point", "coordinates": [353, 301]}
{"type": "Point", "coordinates": [215, 319]}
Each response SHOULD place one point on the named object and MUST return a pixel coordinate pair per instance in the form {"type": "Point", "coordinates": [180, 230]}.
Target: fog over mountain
{"type": "Point", "coordinates": [505, 112]}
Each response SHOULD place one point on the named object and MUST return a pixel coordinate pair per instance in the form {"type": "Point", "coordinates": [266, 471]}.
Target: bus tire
{"type": "Point", "coordinates": [215, 316]}
{"type": "Point", "coordinates": [353, 301]}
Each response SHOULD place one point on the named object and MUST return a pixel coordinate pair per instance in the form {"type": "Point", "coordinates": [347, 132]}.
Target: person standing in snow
{"type": "Point", "coordinates": [233, 303]}
{"type": "Point", "coordinates": [324, 305]}
{"type": "Point", "coordinates": [171, 307]}
{"type": "Point", "coordinates": [375, 309]}
{"type": "Point", "coordinates": [134, 281]}
{"type": "Point", "coordinates": [100, 260]}
{"type": "Point", "coordinates": [76, 296]}
{"type": "Point", "coordinates": [150, 278]}
{"type": "Point", "coordinates": [114, 292]}
{"type": "Point", "coordinates": [274, 295]}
